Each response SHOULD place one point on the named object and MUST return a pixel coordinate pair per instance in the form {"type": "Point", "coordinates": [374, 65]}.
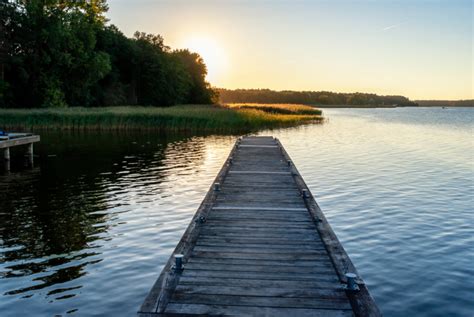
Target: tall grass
{"type": "Point", "coordinates": [179, 118]}
{"type": "Point", "coordinates": [283, 108]}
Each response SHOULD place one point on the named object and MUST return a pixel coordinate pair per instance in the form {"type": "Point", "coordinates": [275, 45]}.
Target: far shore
{"type": "Point", "coordinates": [389, 106]}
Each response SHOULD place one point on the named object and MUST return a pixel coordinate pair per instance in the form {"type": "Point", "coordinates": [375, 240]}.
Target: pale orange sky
{"type": "Point", "coordinates": [421, 49]}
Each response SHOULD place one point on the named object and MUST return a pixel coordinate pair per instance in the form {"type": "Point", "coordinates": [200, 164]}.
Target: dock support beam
{"type": "Point", "coordinates": [29, 153]}
{"type": "Point", "coordinates": [6, 156]}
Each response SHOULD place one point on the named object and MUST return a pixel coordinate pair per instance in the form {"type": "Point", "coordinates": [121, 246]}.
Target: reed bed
{"type": "Point", "coordinates": [292, 109]}
{"type": "Point", "coordinates": [178, 118]}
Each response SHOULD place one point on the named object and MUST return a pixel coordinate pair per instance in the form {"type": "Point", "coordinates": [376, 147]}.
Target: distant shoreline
{"type": "Point", "coordinates": [387, 107]}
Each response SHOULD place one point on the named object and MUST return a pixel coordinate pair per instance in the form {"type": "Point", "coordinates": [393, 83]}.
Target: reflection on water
{"type": "Point", "coordinates": [87, 231]}
{"type": "Point", "coordinates": [97, 215]}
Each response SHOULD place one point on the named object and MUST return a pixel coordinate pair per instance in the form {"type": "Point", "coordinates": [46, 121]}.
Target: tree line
{"type": "Point", "coordinates": [63, 53]}
{"type": "Point", "coordinates": [446, 103]}
{"type": "Point", "coordinates": [310, 97]}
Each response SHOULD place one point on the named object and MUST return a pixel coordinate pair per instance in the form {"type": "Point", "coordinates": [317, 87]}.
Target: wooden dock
{"type": "Point", "coordinates": [17, 139]}
{"type": "Point", "coordinates": [259, 245]}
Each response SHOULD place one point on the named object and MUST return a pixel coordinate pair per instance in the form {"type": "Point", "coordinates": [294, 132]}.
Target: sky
{"type": "Point", "coordinates": [422, 49]}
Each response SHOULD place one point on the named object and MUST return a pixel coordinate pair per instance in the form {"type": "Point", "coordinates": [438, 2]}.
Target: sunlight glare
{"type": "Point", "coordinates": [213, 55]}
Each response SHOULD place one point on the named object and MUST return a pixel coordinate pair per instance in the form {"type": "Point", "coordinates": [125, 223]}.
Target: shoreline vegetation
{"type": "Point", "coordinates": [203, 118]}
{"type": "Point", "coordinates": [328, 99]}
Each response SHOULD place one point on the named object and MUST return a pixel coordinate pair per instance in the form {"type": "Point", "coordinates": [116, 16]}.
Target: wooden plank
{"type": "Point", "coordinates": [231, 310]}
{"type": "Point", "coordinates": [322, 262]}
{"type": "Point", "coordinates": [274, 187]}
{"type": "Point", "coordinates": [258, 301]}
{"type": "Point", "coordinates": [301, 237]}
{"type": "Point", "coordinates": [258, 222]}
{"type": "Point", "coordinates": [262, 241]}
{"type": "Point", "coordinates": [262, 195]}
{"type": "Point", "coordinates": [19, 141]}
{"type": "Point", "coordinates": [309, 246]}
{"type": "Point", "coordinates": [250, 250]}
{"type": "Point", "coordinates": [261, 275]}
{"type": "Point", "coordinates": [261, 218]}
{"type": "Point", "coordinates": [328, 269]}
{"type": "Point", "coordinates": [257, 208]}
{"type": "Point", "coordinates": [259, 172]}
{"type": "Point", "coordinates": [259, 231]}
{"type": "Point", "coordinates": [255, 282]}
{"type": "Point", "coordinates": [276, 215]}
{"type": "Point", "coordinates": [256, 256]}
{"type": "Point", "coordinates": [262, 224]}
{"type": "Point", "coordinates": [337, 294]}
{"type": "Point", "coordinates": [259, 146]}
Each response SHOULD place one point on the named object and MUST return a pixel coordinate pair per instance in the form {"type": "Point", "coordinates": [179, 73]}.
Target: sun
{"type": "Point", "coordinates": [213, 55]}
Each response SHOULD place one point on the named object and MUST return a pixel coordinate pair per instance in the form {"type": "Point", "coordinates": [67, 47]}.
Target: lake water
{"type": "Point", "coordinates": [87, 230]}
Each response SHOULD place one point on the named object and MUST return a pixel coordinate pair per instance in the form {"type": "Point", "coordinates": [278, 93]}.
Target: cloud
{"type": "Point", "coordinates": [392, 26]}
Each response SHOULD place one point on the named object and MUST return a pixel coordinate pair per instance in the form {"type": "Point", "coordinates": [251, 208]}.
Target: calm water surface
{"type": "Point", "coordinates": [87, 231]}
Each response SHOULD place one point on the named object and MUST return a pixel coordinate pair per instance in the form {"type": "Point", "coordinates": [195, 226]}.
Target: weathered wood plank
{"type": "Point", "coordinates": [246, 262]}
{"type": "Point", "coordinates": [230, 310]}
{"type": "Point", "coordinates": [261, 217]}
{"type": "Point", "coordinates": [259, 172]}
{"type": "Point", "coordinates": [19, 141]}
{"type": "Point", "coordinates": [293, 236]}
{"type": "Point", "coordinates": [255, 282]}
{"type": "Point", "coordinates": [337, 294]}
{"type": "Point", "coordinates": [259, 146]}
{"type": "Point", "coordinates": [257, 301]}
{"type": "Point", "coordinates": [256, 256]}
{"type": "Point", "coordinates": [257, 208]}
{"type": "Point", "coordinates": [270, 223]}
{"type": "Point", "coordinates": [260, 241]}
{"type": "Point", "coordinates": [327, 269]}
{"type": "Point", "coordinates": [252, 250]}
{"type": "Point", "coordinates": [296, 247]}
{"type": "Point", "coordinates": [261, 275]}
{"type": "Point", "coordinates": [260, 232]}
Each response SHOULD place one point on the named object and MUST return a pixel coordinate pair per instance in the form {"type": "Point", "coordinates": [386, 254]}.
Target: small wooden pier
{"type": "Point", "coordinates": [259, 245]}
{"type": "Point", "coordinates": [17, 139]}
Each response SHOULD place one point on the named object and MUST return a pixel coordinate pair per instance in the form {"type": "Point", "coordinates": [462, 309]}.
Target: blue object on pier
{"type": "Point", "coordinates": [3, 133]}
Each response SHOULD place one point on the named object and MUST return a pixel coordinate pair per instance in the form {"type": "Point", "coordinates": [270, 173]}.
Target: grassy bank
{"type": "Point", "coordinates": [179, 118]}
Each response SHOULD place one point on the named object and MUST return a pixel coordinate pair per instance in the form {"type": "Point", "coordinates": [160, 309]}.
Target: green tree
{"type": "Point", "coordinates": [200, 90]}
{"type": "Point", "coordinates": [62, 53]}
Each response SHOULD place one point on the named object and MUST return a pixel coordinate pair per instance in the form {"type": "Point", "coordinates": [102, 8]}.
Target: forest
{"type": "Point", "coordinates": [310, 98]}
{"type": "Point", "coordinates": [65, 54]}
{"type": "Point", "coordinates": [446, 103]}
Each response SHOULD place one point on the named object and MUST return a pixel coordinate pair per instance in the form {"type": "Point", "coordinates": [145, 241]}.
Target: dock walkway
{"type": "Point", "coordinates": [17, 139]}
{"type": "Point", "coordinates": [259, 245]}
